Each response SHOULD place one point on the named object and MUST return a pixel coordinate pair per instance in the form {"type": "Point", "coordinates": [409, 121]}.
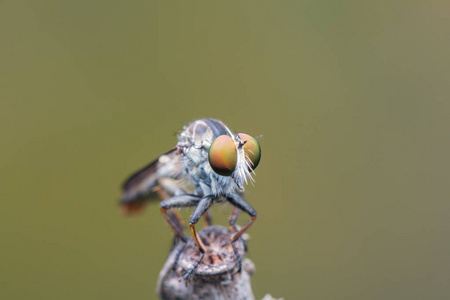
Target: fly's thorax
{"type": "Point", "coordinates": [196, 156]}
{"type": "Point", "coordinates": [203, 132]}
{"type": "Point", "coordinates": [195, 140]}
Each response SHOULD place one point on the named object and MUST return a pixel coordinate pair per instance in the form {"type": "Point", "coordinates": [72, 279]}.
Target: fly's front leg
{"type": "Point", "coordinates": [201, 208]}
{"type": "Point", "coordinates": [178, 201]}
{"type": "Point", "coordinates": [232, 223]}
{"type": "Point", "coordinates": [240, 203]}
{"type": "Point", "coordinates": [201, 189]}
{"type": "Point", "coordinates": [233, 219]}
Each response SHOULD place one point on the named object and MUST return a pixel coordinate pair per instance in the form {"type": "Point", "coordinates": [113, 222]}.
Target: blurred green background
{"type": "Point", "coordinates": [352, 100]}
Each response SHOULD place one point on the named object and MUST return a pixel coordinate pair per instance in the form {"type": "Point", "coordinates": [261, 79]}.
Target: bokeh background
{"type": "Point", "coordinates": [352, 100]}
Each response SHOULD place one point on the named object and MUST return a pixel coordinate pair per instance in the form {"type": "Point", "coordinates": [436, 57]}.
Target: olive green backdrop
{"type": "Point", "coordinates": [352, 100]}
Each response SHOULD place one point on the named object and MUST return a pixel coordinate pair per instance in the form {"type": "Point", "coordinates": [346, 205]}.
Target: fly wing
{"type": "Point", "coordinates": [152, 181]}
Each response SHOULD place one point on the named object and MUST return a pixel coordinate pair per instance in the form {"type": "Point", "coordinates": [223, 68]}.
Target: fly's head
{"type": "Point", "coordinates": [214, 155]}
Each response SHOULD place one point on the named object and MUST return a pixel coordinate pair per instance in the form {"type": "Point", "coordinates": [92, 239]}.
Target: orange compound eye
{"type": "Point", "coordinates": [223, 155]}
{"type": "Point", "coordinates": [251, 148]}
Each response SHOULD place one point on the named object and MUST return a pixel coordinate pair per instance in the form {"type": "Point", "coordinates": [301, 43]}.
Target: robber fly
{"type": "Point", "coordinates": [209, 164]}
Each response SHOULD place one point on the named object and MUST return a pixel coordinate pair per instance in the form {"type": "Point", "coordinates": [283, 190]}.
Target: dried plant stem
{"type": "Point", "coordinates": [216, 277]}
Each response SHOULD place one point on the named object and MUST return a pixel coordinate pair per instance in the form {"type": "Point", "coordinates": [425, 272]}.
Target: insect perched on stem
{"type": "Point", "coordinates": [209, 164]}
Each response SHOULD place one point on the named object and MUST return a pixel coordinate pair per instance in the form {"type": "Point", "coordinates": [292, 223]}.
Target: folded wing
{"type": "Point", "coordinates": [162, 178]}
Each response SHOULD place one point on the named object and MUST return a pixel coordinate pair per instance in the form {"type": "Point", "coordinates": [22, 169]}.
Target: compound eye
{"type": "Point", "coordinates": [251, 148]}
{"type": "Point", "coordinates": [223, 155]}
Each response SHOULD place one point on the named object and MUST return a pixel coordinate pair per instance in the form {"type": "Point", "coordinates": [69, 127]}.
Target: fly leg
{"type": "Point", "coordinates": [232, 223]}
{"type": "Point", "coordinates": [173, 212]}
{"type": "Point", "coordinates": [167, 188]}
{"type": "Point", "coordinates": [207, 219]}
{"type": "Point", "coordinates": [201, 208]}
{"type": "Point", "coordinates": [177, 201]}
{"type": "Point", "coordinates": [240, 204]}
{"type": "Point", "coordinates": [233, 219]}
{"type": "Point", "coordinates": [200, 191]}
